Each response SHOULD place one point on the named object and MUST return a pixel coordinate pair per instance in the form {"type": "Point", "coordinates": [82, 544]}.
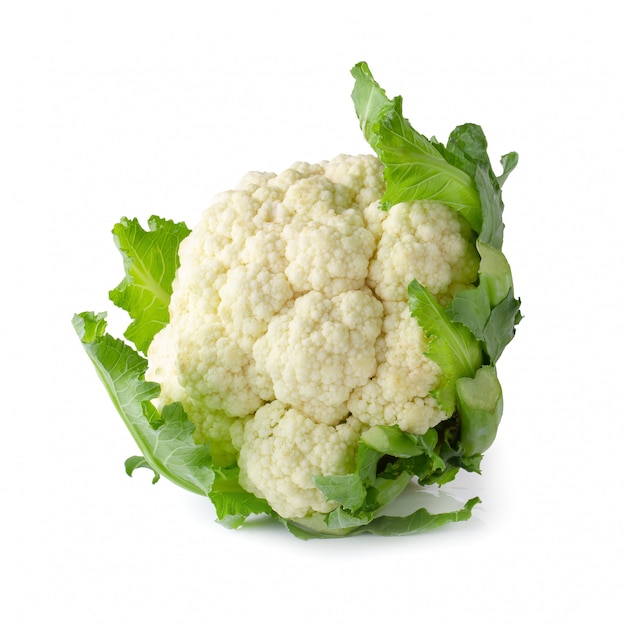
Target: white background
{"type": "Point", "coordinates": [132, 108]}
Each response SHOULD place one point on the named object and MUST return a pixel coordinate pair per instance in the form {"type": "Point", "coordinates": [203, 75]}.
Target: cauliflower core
{"type": "Point", "coordinates": [290, 332]}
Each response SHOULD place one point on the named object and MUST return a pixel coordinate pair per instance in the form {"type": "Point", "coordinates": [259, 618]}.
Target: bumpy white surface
{"type": "Point", "coordinates": [290, 323]}
{"type": "Point", "coordinates": [282, 449]}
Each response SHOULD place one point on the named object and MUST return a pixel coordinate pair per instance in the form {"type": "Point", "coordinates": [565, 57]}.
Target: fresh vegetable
{"type": "Point", "coordinates": [323, 336]}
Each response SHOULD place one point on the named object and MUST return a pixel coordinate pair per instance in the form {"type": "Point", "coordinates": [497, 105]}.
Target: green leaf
{"type": "Point", "coordinates": [509, 163]}
{"type": "Point", "coordinates": [343, 524]}
{"type": "Point", "coordinates": [133, 462]}
{"type": "Point", "coordinates": [367, 462]}
{"type": "Point", "coordinates": [450, 453]}
{"type": "Point", "coordinates": [451, 345]}
{"type": "Point", "coordinates": [169, 449]}
{"type": "Point", "coordinates": [370, 102]}
{"type": "Point", "coordinates": [233, 508]}
{"type": "Point", "coordinates": [494, 273]}
{"type": "Point", "coordinates": [394, 442]}
{"type": "Point", "coordinates": [469, 145]}
{"type": "Point", "coordinates": [233, 504]}
{"type": "Point", "coordinates": [316, 526]}
{"type": "Point", "coordinates": [90, 326]}
{"type": "Point", "coordinates": [472, 463]}
{"type": "Point", "coordinates": [386, 489]}
{"type": "Point", "coordinates": [492, 231]}
{"type": "Point", "coordinates": [414, 167]}
{"type": "Point", "coordinates": [500, 328]}
{"type": "Point", "coordinates": [467, 148]}
{"type": "Point", "coordinates": [417, 522]}
{"type": "Point", "coordinates": [490, 310]}
{"type": "Point", "coordinates": [343, 519]}
{"type": "Point", "coordinates": [150, 262]}
{"type": "Point", "coordinates": [348, 490]}
{"type": "Point", "coordinates": [416, 453]}
{"type": "Point", "coordinates": [152, 415]}
{"type": "Point", "coordinates": [480, 408]}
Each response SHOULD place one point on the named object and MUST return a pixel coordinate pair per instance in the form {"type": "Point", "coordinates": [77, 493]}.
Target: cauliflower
{"type": "Point", "coordinates": [323, 335]}
{"type": "Point", "coordinates": [317, 321]}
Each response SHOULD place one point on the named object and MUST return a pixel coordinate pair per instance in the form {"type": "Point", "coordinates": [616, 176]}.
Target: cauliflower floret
{"type": "Point", "coordinates": [399, 391]}
{"type": "Point", "coordinates": [425, 241]}
{"type": "Point", "coordinates": [283, 451]}
{"type": "Point", "coordinates": [202, 408]}
{"type": "Point", "coordinates": [290, 304]}
{"type": "Point", "coordinates": [330, 255]}
{"type": "Point", "coordinates": [319, 350]}
{"type": "Point", "coordinates": [362, 175]}
{"type": "Point", "coordinates": [249, 299]}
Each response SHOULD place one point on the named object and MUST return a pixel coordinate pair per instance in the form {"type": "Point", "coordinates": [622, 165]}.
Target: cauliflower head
{"type": "Point", "coordinates": [290, 333]}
